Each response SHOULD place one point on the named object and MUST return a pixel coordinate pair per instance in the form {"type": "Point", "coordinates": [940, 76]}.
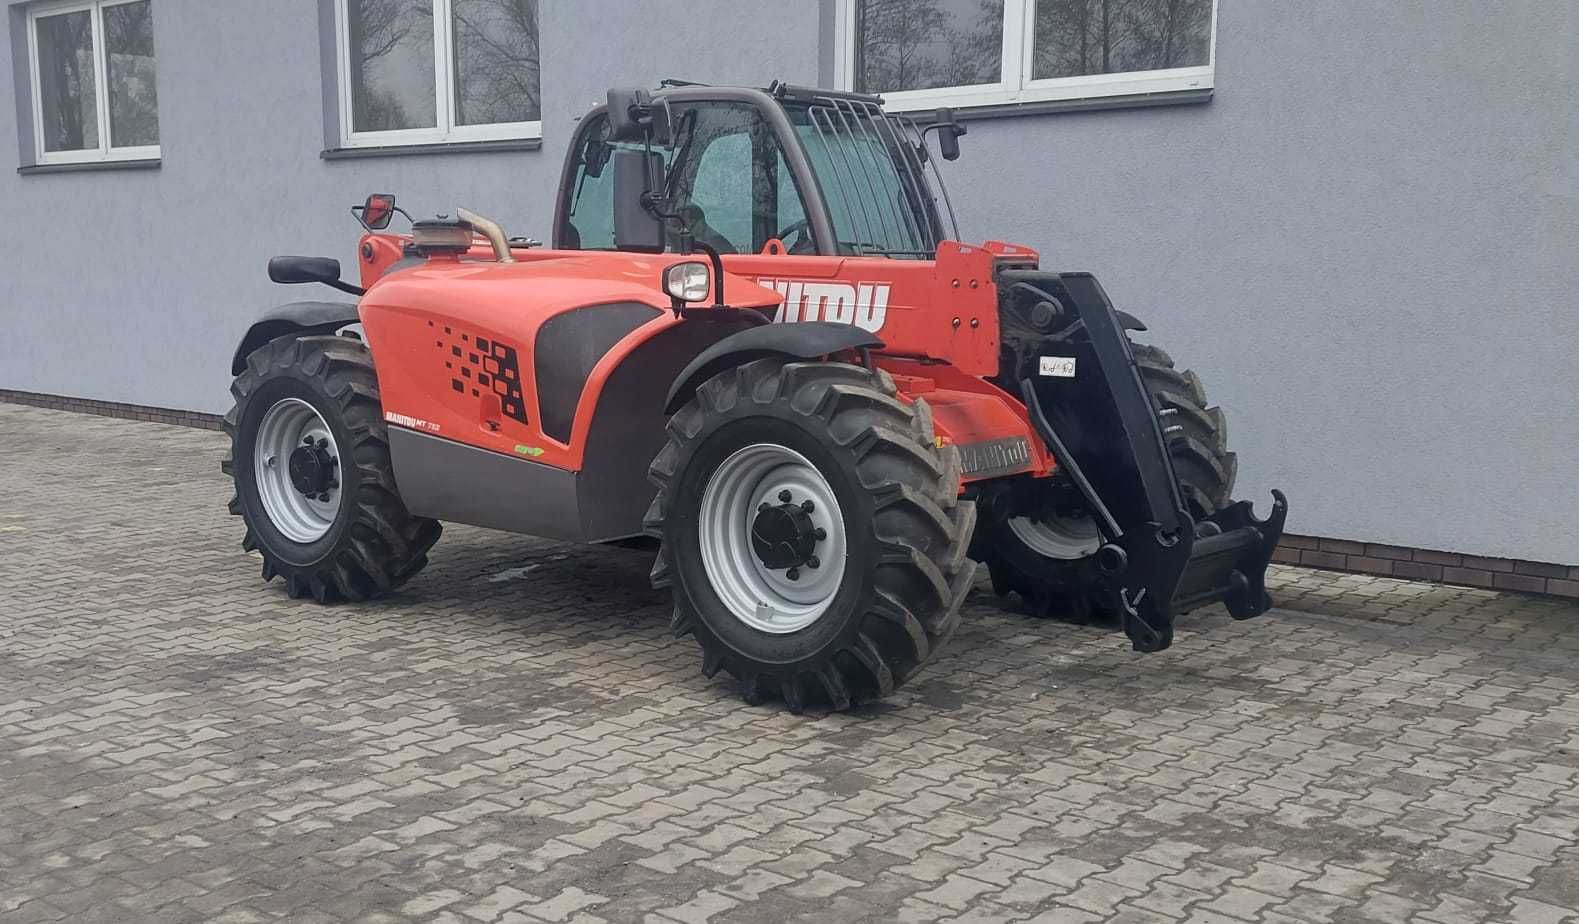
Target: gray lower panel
{"type": "Point", "coordinates": [457, 483]}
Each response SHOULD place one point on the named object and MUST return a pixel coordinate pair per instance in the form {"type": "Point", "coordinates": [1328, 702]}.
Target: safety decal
{"type": "Point", "coordinates": [477, 364]}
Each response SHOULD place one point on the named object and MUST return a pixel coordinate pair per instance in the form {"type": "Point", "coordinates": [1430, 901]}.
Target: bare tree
{"type": "Point", "coordinates": [133, 91]}
{"type": "Point", "coordinates": [66, 78]}
{"type": "Point", "coordinates": [379, 27]}
{"type": "Point", "coordinates": [497, 61]}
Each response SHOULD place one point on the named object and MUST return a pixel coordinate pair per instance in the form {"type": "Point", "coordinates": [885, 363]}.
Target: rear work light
{"type": "Point", "coordinates": [441, 237]}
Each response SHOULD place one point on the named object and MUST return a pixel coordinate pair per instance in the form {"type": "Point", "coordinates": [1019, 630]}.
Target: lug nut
{"type": "Point", "coordinates": [307, 441]}
{"type": "Point", "coordinates": [785, 495]}
{"type": "Point", "coordinates": [793, 574]}
{"type": "Point", "coordinates": [807, 506]}
{"type": "Point", "coordinates": [323, 443]}
{"type": "Point", "coordinates": [763, 507]}
{"type": "Point", "coordinates": [813, 562]}
{"type": "Point", "coordinates": [820, 534]}
{"type": "Point", "coordinates": [270, 461]}
{"type": "Point", "coordinates": [324, 496]}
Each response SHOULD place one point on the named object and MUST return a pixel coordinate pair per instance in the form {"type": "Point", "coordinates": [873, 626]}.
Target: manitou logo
{"type": "Point", "coordinates": [864, 304]}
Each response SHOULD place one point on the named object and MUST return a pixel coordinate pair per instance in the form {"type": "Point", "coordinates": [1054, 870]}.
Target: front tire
{"type": "Point", "coordinates": [817, 469]}
{"type": "Point", "coordinates": [314, 483]}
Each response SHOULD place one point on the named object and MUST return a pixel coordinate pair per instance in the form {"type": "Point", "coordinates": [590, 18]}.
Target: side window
{"type": "Point", "coordinates": [726, 173]}
{"type": "Point", "coordinates": [731, 179]}
{"type": "Point", "coordinates": [589, 220]}
{"type": "Point", "coordinates": [720, 195]}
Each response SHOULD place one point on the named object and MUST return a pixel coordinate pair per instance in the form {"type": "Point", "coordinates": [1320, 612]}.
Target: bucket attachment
{"type": "Point", "coordinates": [1091, 407]}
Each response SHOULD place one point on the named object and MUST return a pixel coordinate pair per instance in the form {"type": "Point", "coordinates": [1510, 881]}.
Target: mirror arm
{"type": "Point", "coordinates": [345, 287]}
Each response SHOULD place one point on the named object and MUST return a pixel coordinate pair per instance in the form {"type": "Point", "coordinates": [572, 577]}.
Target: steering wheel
{"type": "Point", "coordinates": [802, 231]}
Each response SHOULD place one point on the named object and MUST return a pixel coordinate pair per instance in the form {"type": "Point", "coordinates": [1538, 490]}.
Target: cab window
{"type": "Point", "coordinates": [589, 219]}
{"type": "Point", "coordinates": [726, 173]}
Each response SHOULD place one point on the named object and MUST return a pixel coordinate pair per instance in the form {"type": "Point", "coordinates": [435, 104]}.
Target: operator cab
{"type": "Point", "coordinates": [803, 172]}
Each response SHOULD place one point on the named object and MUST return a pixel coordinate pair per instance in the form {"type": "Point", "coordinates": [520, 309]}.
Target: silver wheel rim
{"type": "Point", "coordinates": [1062, 537]}
{"type": "Point", "coordinates": [764, 599]}
{"type": "Point", "coordinates": [289, 423]}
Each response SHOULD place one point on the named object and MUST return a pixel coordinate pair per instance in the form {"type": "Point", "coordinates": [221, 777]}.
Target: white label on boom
{"type": "Point", "coordinates": [1059, 367]}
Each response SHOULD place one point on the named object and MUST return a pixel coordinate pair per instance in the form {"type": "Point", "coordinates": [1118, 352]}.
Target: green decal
{"type": "Point", "coordinates": [528, 450]}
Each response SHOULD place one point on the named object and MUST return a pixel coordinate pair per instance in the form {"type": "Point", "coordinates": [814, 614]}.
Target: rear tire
{"type": "Point", "coordinates": [1047, 561]}
{"type": "Point", "coordinates": [769, 428]}
{"type": "Point", "coordinates": [354, 539]}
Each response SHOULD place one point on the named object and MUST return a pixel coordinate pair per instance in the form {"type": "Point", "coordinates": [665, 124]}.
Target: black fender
{"type": "Point", "coordinates": [288, 318]}
{"type": "Point", "coordinates": [803, 340]}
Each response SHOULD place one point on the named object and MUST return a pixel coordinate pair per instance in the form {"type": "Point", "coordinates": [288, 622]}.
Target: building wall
{"type": "Point", "coordinates": [1365, 243]}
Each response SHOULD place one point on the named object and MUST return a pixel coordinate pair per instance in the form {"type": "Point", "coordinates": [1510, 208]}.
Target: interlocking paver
{"type": "Point", "coordinates": [514, 736]}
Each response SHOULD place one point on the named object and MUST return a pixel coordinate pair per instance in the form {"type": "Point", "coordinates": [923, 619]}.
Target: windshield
{"type": "Point", "coordinates": [871, 178]}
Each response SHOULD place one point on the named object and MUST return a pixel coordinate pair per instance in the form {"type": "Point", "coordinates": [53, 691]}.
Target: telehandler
{"type": "Point", "coordinates": [757, 339]}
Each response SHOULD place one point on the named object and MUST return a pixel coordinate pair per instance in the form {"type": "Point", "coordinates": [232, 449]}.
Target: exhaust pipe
{"type": "Point", "coordinates": [489, 229]}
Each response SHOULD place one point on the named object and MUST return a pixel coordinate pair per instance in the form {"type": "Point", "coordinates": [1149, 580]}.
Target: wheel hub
{"type": "Point", "coordinates": [312, 468]}
{"type": "Point", "coordinates": [772, 538]}
{"type": "Point", "coordinates": [296, 470]}
{"type": "Point", "coordinates": [784, 536]}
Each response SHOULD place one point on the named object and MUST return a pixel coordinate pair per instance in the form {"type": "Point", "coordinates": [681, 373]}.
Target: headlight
{"type": "Point", "coordinates": [686, 282]}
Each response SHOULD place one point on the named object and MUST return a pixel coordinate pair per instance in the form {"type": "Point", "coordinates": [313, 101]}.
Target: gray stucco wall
{"type": "Point", "coordinates": [1368, 246]}
{"type": "Point", "coordinates": [1366, 243]}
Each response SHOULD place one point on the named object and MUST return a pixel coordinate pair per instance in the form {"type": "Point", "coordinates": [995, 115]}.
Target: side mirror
{"type": "Point", "coordinates": [377, 211]}
{"type": "Point", "coordinates": [636, 175]}
{"type": "Point", "coordinates": [949, 133]}
{"type": "Point", "coordinates": [311, 269]}
{"type": "Point", "coordinates": [634, 116]}
{"type": "Point", "coordinates": [304, 269]}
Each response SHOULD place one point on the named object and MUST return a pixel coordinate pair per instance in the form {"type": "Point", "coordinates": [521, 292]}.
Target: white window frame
{"type": "Point", "coordinates": [445, 131]}
{"type": "Point", "coordinates": [1017, 85]}
{"type": "Point", "coordinates": [101, 88]}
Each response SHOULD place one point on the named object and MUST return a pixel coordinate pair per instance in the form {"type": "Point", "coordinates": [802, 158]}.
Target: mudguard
{"type": "Point", "coordinates": [805, 340]}
{"type": "Point", "coordinates": [292, 316]}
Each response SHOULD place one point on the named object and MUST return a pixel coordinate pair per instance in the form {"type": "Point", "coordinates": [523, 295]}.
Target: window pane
{"type": "Point", "coordinates": [869, 179]}
{"type": "Point", "coordinates": [1075, 37]}
{"type": "Point", "coordinates": [496, 71]}
{"type": "Point", "coordinates": [730, 181]}
{"type": "Point", "coordinates": [392, 78]}
{"type": "Point", "coordinates": [134, 101]}
{"type": "Point", "coordinates": [589, 222]}
{"type": "Point", "coordinates": [67, 94]}
{"type": "Point", "coordinates": [920, 44]}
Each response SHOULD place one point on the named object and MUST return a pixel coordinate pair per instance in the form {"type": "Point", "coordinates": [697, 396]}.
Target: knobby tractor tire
{"type": "Point", "coordinates": [374, 544]}
{"type": "Point", "coordinates": [906, 571]}
{"type": "Point", "coordinates": [1197, 438]}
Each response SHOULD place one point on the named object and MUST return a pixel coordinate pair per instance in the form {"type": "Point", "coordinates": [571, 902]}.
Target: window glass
{"type": "Point", "coordinates": [1075, 37]}
{"type": "Point", "coordinates": [922, 44]}
{"type": "Point", "coordinates": [134, 98]}
{"type": "Point", "coordinates": [496, 67]}
{"type": "Point", "coordinates": [730, 180]}
{"type": "Point", "coordinates": [68, 99]}
{"type": "Point", "coordinates": [872, 184]}
{"type": "Point", "coordinates": [590, 217]}
{"type": "Point", "coordinates": [726, 173]}
{"type": "Point", "coordinates": [391, 57]}
{"type": "Point", "coordinates": [720, 194]}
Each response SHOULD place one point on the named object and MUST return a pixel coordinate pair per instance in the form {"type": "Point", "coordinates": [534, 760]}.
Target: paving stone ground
{"type": "Point", "coordinates": [514, 736]}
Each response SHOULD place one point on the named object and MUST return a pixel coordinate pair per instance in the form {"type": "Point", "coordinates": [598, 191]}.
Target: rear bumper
{"type": "Point", "coordinates": [1097, 418]}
